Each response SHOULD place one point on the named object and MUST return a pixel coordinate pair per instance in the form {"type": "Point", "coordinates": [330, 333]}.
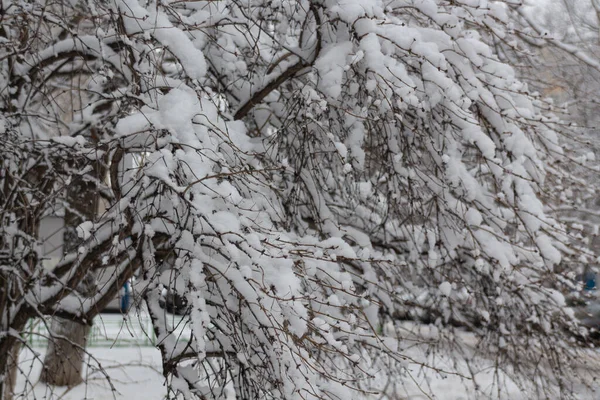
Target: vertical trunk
{"type": "Point", "coordinates": [65, 356]}
{"type": "Point", "coordinates": [7, 387]}
{"type": "Point", "coordinates": [21, 260]}
{"type": "Point", "coordinates": [10, 347]}
{"type": "Point", "coordinates": [66, 349]}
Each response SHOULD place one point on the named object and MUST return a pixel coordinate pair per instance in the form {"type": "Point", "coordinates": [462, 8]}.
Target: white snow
{"type": "Point", "coordinates": [134, 371]}
{"type": "Point", "coordinates": [445, 288]}
{"type": "Point", "coordinates": [137, 18]}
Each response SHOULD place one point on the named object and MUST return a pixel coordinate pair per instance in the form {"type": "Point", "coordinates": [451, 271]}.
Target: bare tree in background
{"type": "Point", "coordinates": [558, 58]}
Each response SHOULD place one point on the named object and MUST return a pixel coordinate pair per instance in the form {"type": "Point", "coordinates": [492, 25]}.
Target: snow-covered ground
{"type": "Point", "coordinates": [131, 369]}
{"type": "Point", "coordinates": [135, 373]}
{"type": "Point", "coordinates": [122, 346]}
{"type": "Point", "coordinates": [129, 373]}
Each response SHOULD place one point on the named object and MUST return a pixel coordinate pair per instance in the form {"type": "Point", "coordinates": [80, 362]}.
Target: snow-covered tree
{"type": "Point", "coordinates": [306, 174]}
{"type": "Point", "coordinates": [557, 56]}
{"type": "Point", "coordinates": [567, 49]}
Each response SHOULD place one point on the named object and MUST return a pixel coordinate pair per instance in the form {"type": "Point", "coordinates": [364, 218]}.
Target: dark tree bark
{"type": "Point", "coordinates": [65, 355]}
{"type": "Point", "coordinates": [64, 359]}
{"type": "Point", "coordinates": [12, 369]}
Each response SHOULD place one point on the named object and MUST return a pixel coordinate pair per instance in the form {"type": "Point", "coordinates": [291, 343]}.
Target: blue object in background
{"type": "Point", "coordinates": [589, 279]}
{"type": "Point", "coordinates": [125, 297]}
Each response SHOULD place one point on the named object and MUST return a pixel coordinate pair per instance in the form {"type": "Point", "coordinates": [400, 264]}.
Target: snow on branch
{"type": "Point", "coordinates": [306, 178]}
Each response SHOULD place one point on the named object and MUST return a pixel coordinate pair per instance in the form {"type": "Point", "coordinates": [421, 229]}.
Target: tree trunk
{"type": "Point", "coordinates": [12, 368]}
{"type": "Point", "coordinates": [66, 350]}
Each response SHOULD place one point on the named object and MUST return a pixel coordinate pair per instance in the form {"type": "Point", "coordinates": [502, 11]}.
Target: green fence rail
{"type": "Point", "coordinates": [110, 330]}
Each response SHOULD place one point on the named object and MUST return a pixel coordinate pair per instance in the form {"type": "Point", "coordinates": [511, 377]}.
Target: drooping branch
{"type": "Point", "coordinates": [264, 92]}
{"type": "Point", "coordinates": [289, 73]}
{"type": "Point", "coordinates": [546, 38]}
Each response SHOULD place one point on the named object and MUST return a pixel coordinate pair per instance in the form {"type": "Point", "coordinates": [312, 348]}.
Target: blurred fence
{"type": "Point", "coordinates": [112, 330]}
